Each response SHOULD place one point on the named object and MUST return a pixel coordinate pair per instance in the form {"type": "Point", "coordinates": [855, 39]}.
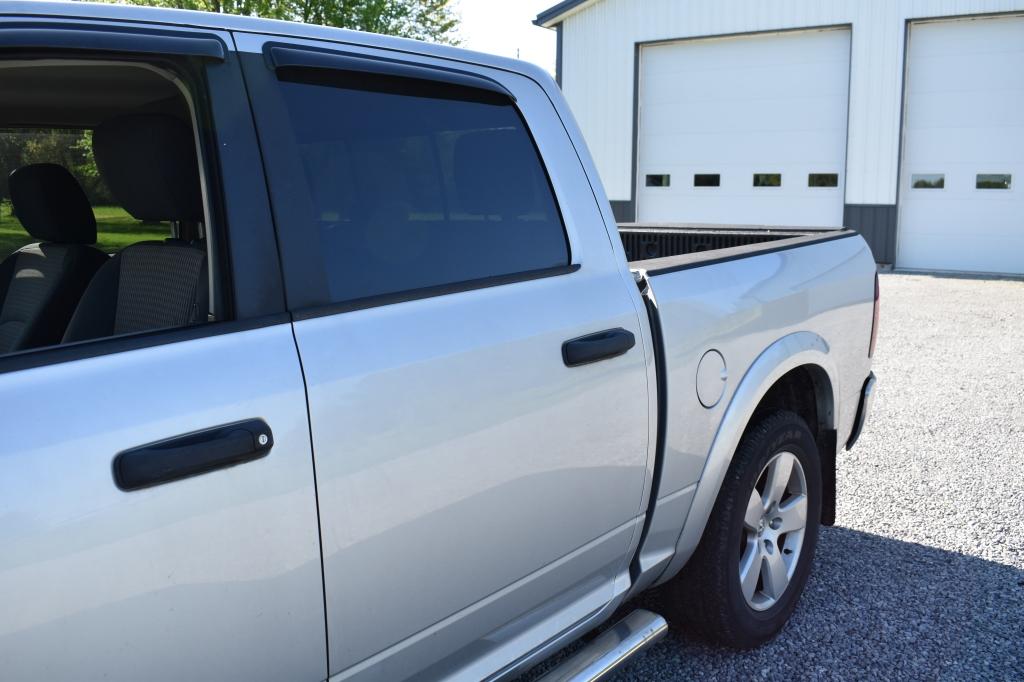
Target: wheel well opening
{"type": "Point", "coordinates": [807, 391]}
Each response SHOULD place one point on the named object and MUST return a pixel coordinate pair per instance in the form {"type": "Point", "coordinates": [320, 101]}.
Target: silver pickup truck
{"type": "Point", "coordinates": [361, 384]}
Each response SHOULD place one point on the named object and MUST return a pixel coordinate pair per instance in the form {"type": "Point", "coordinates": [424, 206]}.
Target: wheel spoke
{"type": "Point", "coordinates": [755, 510]}
{"type": "Point", "coordinates": [750, 569]}
{"type": "Point", "coordinates": [774, 573]}
{"type": "Point", "coordinates": [778, 478]}
{"type": "Point", "coordinates": [793, 514]}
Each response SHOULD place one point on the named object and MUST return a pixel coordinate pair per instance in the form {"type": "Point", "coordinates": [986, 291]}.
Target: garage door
{"type": "Point", "coordinates": [746, 130]}
{"type": "Point", "coordinates": [961, 199]}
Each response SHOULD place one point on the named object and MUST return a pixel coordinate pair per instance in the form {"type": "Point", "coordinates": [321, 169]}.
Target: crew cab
{"type": "Point", "coordinates": [321, 357]}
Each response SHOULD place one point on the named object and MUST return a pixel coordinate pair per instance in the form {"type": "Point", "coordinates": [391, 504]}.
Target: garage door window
{"type": "Point", "coordinates": [992, 181]}
{"type": "Point", "coordinates": [823, 180]}
{"type": "Point", "coordinates": [707, 180]}
{"type": "Point", "coordinates": [767, 180]}
{"type": "Point", "coordinates": [658, 180]}
{"type": "Point", "coordinates": [928, 181]}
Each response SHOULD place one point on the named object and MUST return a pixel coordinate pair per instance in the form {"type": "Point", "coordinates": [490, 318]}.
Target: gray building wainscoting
{"type": "Point", "coordinates": [624, 211]}
{"type": "Point", "coordinates": [877, 224]}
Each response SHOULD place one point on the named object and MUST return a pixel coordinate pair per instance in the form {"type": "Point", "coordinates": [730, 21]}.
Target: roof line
{"type": "Point", "coordinates": [548, 16]}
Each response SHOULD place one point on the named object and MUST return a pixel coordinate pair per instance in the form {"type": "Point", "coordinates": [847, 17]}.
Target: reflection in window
{"type": "Point", "coordinates": [823, 179]}
{"type": "Point", "coordinates": [928, 181]}
{"type": "Point", "coordinates": [767, 179]}
{"type": "Point", "coordinates": [658, 180]}
{"type": "Point", "coordinates": [992, 181]}
{"type": "Point", "coordinates": [707, 180]}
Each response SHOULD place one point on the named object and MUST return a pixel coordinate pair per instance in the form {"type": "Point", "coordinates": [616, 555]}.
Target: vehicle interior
{"type": "Point", "coordinates": [103, 225]}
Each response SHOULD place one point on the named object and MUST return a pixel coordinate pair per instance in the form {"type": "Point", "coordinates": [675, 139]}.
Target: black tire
{"type": "Point", "coordinates": [706, 597]}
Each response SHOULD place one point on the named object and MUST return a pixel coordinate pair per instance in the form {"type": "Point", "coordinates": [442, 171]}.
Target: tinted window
{"type": "Point", "coordinates": [928, 181]}
{"type": "Point", "coordinates": [417, 184]}
{"type": "Point", "coordinates": [992, 181]}
{"type": "Point", "coordinates": [707, 180]}
{"type": "Point", "coordinates": [658, 180]}
{"type": "Point", "coordinates": [767, 180]}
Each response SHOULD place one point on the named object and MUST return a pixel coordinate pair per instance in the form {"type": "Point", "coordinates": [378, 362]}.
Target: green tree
{"type": "Point", "coordinates": [69, 148]}
{"type": "Point", "coordinates": [432, 20]}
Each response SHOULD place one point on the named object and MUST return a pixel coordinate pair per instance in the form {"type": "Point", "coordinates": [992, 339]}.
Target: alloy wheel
{"type": "Point", "coordinates": [773, 531]}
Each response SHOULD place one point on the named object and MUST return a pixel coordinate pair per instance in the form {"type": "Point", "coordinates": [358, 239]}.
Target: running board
{"type": "Point", "coordinates": [611, 649]}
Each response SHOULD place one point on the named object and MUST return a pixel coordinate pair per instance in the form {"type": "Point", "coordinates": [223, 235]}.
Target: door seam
{"type": "Point", "coordinates": [316, 498]}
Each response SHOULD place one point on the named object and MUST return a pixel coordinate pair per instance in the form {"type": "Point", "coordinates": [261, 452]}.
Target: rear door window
{"type": "Point", "coordinates": [416, 184]}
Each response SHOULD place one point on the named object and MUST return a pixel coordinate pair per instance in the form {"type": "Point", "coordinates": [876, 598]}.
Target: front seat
{"type": "Point", "coordinates": [149, 163]}
{"type": "Point", "coordinates": [40, 284]}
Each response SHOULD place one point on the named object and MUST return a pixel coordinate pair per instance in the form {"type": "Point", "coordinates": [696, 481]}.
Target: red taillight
{"type": "Point", "coordinates": [874, 322]}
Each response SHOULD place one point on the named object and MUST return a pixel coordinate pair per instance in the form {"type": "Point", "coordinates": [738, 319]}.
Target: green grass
{"type": "Point", "coordinates": [115, 230]}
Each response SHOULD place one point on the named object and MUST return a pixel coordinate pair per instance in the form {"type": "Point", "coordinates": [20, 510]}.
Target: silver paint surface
{"type": "Point", "coordinates": [211, 577]}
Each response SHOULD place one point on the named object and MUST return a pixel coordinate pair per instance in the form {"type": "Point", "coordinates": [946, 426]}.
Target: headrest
{"type": "Point", "coordinates": [51, 205]}
{"type": "Point", "coordinates": [149, 163]}
{"type": "Point", "coordinates": [495, 172]}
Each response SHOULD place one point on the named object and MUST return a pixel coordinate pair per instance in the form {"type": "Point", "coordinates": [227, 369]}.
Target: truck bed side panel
{"type": "Point", "coordinates": [740, 307]}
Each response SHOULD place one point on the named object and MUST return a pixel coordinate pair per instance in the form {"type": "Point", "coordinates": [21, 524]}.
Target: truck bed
{"type": "Point", "coordinates": [659, 247]}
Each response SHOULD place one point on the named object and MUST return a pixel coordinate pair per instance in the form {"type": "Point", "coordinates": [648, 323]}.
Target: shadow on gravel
{"type": "Point", "coordinates": [874, 608]}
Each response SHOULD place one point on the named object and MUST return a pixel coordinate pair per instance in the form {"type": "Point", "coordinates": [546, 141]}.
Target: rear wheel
{"type": "Point", "coordinates": [746, 576]}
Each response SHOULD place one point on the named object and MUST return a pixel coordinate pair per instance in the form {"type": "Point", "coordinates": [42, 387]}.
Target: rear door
{"type": "Point", "coordinates": [477, 495]}
{"type": "Point", "coordinates": [215, 576]}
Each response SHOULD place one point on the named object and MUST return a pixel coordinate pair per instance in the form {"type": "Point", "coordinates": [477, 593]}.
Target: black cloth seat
{"type": "Point", "coordinates": [41, 284]}
{"type": "Point", "coordinates": [149, 163]}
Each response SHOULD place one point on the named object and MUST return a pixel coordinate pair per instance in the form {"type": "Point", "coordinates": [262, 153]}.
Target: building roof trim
{"type": "Point", "coordinates": [553, 15]}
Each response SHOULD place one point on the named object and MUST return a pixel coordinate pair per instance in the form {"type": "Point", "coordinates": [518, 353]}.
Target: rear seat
{"type": "Point", "coordinates": [150, 165]}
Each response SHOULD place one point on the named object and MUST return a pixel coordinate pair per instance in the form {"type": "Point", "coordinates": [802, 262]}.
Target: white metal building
{"type": "Point", "coordinates": [903, 119]}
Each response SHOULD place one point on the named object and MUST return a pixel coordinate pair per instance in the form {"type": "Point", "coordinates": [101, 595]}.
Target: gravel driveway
{"type": "Point", "coordinates": [922, 576]}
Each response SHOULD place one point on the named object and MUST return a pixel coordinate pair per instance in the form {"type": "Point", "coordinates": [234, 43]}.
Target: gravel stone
{"type": "Point", "coordinates": [922, 577]}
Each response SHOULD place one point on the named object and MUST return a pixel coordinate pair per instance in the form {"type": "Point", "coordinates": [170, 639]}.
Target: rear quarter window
{"type": "Point", "coordinates": [417, 184]}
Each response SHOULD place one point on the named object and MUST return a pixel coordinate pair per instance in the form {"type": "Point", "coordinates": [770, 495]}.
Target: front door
{"type": "Point", "coordinates": [166, 563]}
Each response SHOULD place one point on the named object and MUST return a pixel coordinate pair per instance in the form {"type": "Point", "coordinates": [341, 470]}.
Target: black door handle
{"type": "Point", "coordinates": [600, 346]}
{"type": "Point", "coordinates": [192, 454]}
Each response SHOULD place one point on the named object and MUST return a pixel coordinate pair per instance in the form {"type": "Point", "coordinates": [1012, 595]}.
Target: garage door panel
{"type": "Point", "coordinates": [966, 109]}
{"type": "Point", "coordinates": [769, 210]}
{"type": "Point", "coordinates": [736, 182]}
{"type": "Point", "coordinates": [981, 212]}
{"type": "Point", "coordinates": [964, 116]}
{"type": "Point", "coordinates": [739, 119]}
{"type": "Point", "coordinates": [817, 151]}
{"type": "Point", "coordinates": [739, 52]}
{"type": "Point", "coordinates": [975, 36]}
{"type": "Point", "coordinates": [739, 106]}
{"type": "Point", "coordinates": [966, 253]}
{"type": "Point", "coordinates": [751, 82]}
{"type": "Point", "coordinates": [969, 147]}
{"type": "Point", "coordinates": [967, 71]}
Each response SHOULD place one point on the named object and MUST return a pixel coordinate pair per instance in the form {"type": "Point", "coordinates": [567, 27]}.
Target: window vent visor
{"type": "Point", "coordinates": [110, 39]}
{"type": "Point", "coordinates": [287, 61]}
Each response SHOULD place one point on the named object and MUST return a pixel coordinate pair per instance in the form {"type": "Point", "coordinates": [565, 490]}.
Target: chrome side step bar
{"type": "Point", "coordinates": [611, 649]}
